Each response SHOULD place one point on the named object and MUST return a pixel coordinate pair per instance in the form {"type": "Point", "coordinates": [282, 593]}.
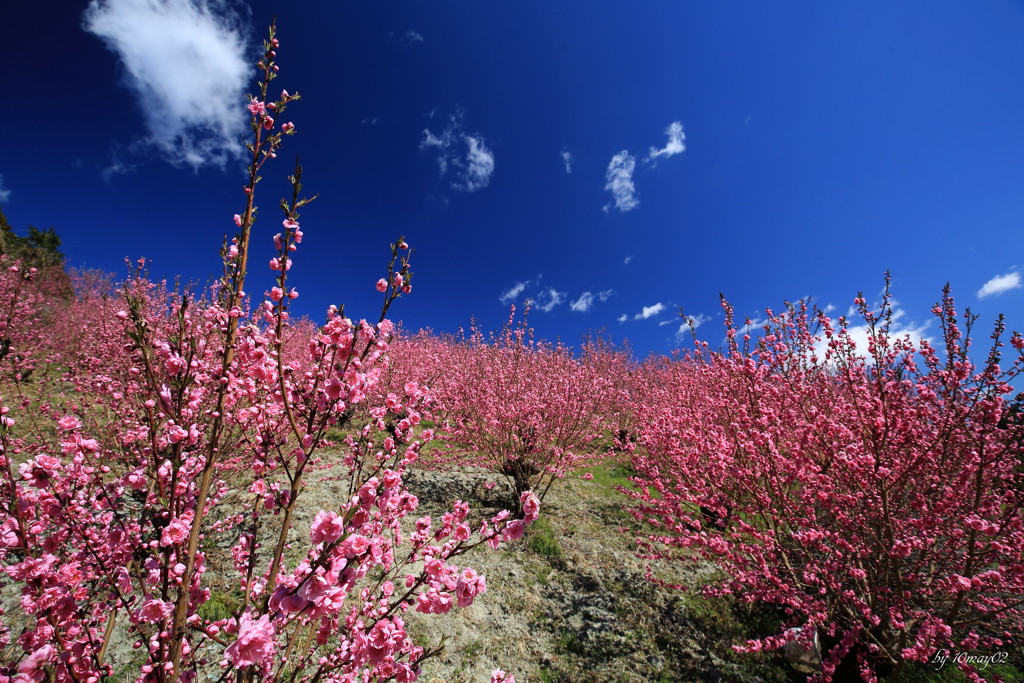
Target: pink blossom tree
{"type": "Point", "coordinates": [870, 493]}
{"type": "Point", "coordinates": [526, 410]}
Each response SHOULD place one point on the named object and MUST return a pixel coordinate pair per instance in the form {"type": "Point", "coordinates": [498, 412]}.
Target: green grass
{"type": "Point", "coordinates": [610, 475]}
{"type": "Point", "coordinates": [929, 673]}
{"type": "Point", "coordinates": [541, 540]}
{"type": "Point", "coordinates": [568, 642]}
{"type": "Point", "coordinates": [219, 606]}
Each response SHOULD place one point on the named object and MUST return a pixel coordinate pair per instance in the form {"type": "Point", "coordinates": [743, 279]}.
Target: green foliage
{"type": "Point", "coordinates": [38, 249]}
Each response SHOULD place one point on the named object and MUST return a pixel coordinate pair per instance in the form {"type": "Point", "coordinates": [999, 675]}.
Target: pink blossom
{"type": "Point", "coordinates": [176, 434]}
{"type": "Point", "coordinates": [355, 545]}
{"type": "Point", "coordinates": [327, 527]}
{"type": "Point", "coordinates": [255, 643]}
{"type": "Point", "coordinates": [530, 504]}
{"type": "Point", "coordinates": [499, 676]}
{"type": "Point", "coordinates": [470, 584]}
{"type": "Point", "coordinates": [514, 531]}
{"type": "Point", "coordinates": [154, 610]}
{"type": "Point", "coordinates": [32, 666]}
{"type": "Point", "coordinates": [69, 422]}
{"type": "Point", "coordinates": [434, 602]}
{"type": "Point", "coordinates": [176, 532]}
{"type": "Point", "coordinates": [39, 471]}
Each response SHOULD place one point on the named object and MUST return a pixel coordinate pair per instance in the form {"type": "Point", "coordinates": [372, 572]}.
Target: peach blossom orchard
{"type": "Point", "coordinates": [873, 495]}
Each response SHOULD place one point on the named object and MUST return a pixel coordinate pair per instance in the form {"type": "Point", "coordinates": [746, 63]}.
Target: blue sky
{"type": "Point", "coordinates": [610, 161]}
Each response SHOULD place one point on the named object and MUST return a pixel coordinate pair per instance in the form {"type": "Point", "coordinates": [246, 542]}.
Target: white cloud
{"type": "Point", "coordinates": [755, 324]}
{"type": "Point", "coordinates": [467, 156]}
{"type": "Point", "coordinates": [619, 181]}
{"type": "Point", "coordinates": [623, 318]}
{"type": "Point", "coordinates": [583, 304]}
{"type": "Point", "coordinates": [649, 311]}
{"type": "Point", "coordinates": [1000, 284]}
{"type": "Point", "coordinates": [690, 324]}
{"type": "Point", "coordinates": [371, 120]}
{"type": "Point", "coordinates": [188, 65]}
{"type": "Point", "coordinates": [513, 292]}
{"type": "Point", "coordinates": [567, 160]}
{"type": "Point", "coordinates": [586, 300]}
{"type": "Point", "coordinates": [676, 143]}
{"type": "Point", "coordinates": [627, 260]}
{"type": "Point", "coordinates": [619, 176]}
{"type": "Point", "coordinates": [858, 331]}
{"type": "Point", "coordinates": [5, 194]}
{"type": "Point", "coordinates": [413, 37]}
{"type": "Point", "coordinates": [547, 300]}
{"type": "Point", "coordinates": [479, 166]}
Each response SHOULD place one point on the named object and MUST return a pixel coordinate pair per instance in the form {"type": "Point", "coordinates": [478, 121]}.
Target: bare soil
{"type": "Point", "coordinates": [571, 601]}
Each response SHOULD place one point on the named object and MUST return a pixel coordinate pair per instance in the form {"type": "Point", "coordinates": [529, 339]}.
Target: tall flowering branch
{"type": "Point", "coordinates": [187, 434]}
{"type": "Point", "coordinates": [265, 145]}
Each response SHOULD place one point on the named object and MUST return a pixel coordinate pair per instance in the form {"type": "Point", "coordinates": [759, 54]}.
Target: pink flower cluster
{"type": "Point", "coordinates": [187, 423]}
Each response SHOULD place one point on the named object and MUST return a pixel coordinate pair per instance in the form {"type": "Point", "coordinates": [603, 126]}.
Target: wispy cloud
{"type": "Point", "coordinates": [187, 63]}
{"type": "Point", "coordinates": [513, 292]}
{"type": "Point", "coordinates": [626, 260]}
{"type": "Point", "coordinates": [567, 160]}
{"type": "Point", "coordinates": [690, 324]}
{"type": "Point", "coordinates": [5, 194]}
{"type": "Point", "coordinates": [467, 156]}
{"type": "Point", "coordinates": [623, 318]}
{"type": "Point", "coordinates": [753, 324]}
{"type": "Point", "coordinates": [676, 143]}
{"type": "Point", "coordinates": [586, 300]}
{"type": "Point", "coordinates": [649, 311]}
{"type": "Point", "coordinates": [405, 39]}
{"type": "Point", "coordinates": [1000, 284]}
{"type": "Point", "coordinates": [619, 181]}
{"type": "Point", "coordinates": [547, 299]}
{"type": "Point", "coordinates": [583, 304]}
{"type": "Point", "coordinates": [619, 176]}
{"type": "Point", "coordinates": [371, 120]}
